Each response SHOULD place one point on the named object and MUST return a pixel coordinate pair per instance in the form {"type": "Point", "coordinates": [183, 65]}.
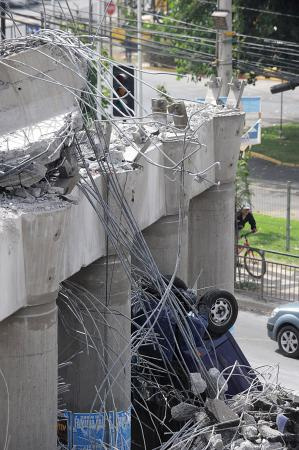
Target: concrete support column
{"type": "Point", "coordinates": [28, 378]}
{"type": "Point", "coordinates": [100, 375]}
{"type": "Point", "coordinates": [211, 238]}
{"type": "Point", "coordinates": [162, 240]}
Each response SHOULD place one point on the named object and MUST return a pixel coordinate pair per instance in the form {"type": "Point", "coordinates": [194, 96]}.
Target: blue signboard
{"type": "Point", "coordinates": [120, 430]}
{"type": "Point", "coordinates": [88, 431]}
{"type": "Point", "coordinates": [253, 135]}
{"type": "Point", "coordinates": [248, 104]}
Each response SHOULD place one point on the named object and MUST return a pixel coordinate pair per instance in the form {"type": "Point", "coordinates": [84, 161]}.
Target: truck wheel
{"type": "Point", "coordinates": [223, 310]}
{"type": "Point", "coordinates": [288, 341]}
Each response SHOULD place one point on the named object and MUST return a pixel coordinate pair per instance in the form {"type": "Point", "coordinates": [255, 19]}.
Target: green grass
{"type": "Point", "coordinates": [285, 149]}
{"type": "Point", "coordinates": [271, 236]}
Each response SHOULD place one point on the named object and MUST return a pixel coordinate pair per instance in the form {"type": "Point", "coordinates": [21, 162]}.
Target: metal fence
{"type": "Point", "coordinates": [279, 282]}
{"type": "Point", "coordinates": [277, 200]}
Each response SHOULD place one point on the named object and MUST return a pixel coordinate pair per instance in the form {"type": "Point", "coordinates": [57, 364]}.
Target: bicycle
{"type": "Point", "coordinates": [254, 259]}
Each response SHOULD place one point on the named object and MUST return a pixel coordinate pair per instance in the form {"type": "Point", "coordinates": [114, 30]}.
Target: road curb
{"type": "Point", "coordinates": [272, 160]}
{"type": "Point", "coordinates": [247, 303]}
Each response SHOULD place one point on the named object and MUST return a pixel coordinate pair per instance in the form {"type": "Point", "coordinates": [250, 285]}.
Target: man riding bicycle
{"type": "Point", "coordinates": [243, 216]}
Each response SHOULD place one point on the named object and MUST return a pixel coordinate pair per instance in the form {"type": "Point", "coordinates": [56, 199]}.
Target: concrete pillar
{"type": "Point", "coordinates": [108, 357]}
{"type": "Point", "coordinates": [162, 240]}
{"type": "Point", "coordinates": [211, 238]}
{"type": "Point", "coordinates": [28, 378]}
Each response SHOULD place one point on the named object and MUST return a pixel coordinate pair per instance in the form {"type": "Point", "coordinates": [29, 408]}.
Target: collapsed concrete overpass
{"type": "Point", "coordinates": [46, 241]}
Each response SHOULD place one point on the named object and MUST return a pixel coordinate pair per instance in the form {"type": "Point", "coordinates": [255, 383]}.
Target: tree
{"type": "Point", "coordinates": [259, 18]}
{"type": "Point", "coordinates": [243, 193]}
{"type": "Point", "coordinates": [192, 41]}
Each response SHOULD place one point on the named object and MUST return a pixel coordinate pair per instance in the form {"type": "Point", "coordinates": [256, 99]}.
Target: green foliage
{"type": "Point", "coordinates": [259, 23]}
{"type": "Point", "coordinates": [245, 21]}
{"type": "Point", "coordinates": [285, 148]}
{"type": "Point", "coordinates": [163, 92]}
{"type": "Point", "coordinates": [272, 236]}
{"type": "Point", "coordinates": [88, 102]}
{"type": "Point", "coordinates": [243, 194]}
{"type": "Point", "coordinates": [189, 55]}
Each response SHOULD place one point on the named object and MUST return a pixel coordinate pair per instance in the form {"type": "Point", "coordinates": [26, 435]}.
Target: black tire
{"type": "Point", "coordinates": [223, 310]}
{"type": "Point", "coordinates": [254, 262]}
{"type": "Point", "coordinates": [288, 341]}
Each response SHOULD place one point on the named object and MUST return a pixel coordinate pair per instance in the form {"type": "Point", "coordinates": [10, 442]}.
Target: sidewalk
{"type": "Point", "coordinates": [248, 303]}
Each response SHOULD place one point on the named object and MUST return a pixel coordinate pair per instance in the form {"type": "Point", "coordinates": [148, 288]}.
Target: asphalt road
{"type": "Point", "coordinates": [251, 334]}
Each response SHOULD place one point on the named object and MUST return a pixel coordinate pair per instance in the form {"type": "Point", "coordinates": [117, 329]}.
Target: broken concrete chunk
{"type": "Point", "coordinates": [56, 190]}
{"type": "Point", "coordinates": [294, 399]}
{"type": "Point", "coordinates": [266, 445]}
{"type": "Point", "coordinates": [249, 432]}
{"type": "Point", "coordinates": [20, 192]}
{"type": "Point", "coordinates": [198, 384]}
{"type": "Point", "coordinates": [159, 110]}
{"type": "Point", "coordinates": [69, 167]}
{"type": "Point", "coordinates": [179, 113]}
{"type": "Point", "coordinates": [184, 411]}
{"type": "Point", "coordinates": [220, 410]}
{"type": "Point", "coordinates": [26, 177]}
{"type": "Point", "coordinates": [269, 433]}
{"type": "Point", "coordinates": [248, 419]}
{"type": "Point", "coordinates": [36, 191]}
{"type": "Point", "coordinates": [236, 444]}
{"type": "Point", "coordinates": [216, 442]}
{"type": "Point", "coordinates": [66, 184]}
{"type": "Point", "coordinates": [115, 156]}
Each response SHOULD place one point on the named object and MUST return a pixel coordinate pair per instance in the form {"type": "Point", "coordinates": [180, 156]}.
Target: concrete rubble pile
{"type": "Point", "coordinates": [39, 160]}
{"type": "Point", "coordinates": [268, 419]}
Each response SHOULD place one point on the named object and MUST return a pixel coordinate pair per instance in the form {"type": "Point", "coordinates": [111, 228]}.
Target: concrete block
{"type": "Point", "coordinates": [216, 442]}
{"type": "Point", "coordinates": [269, 433]}
{"type": "Point", "coordinates": [249, 432]}
{"type": "Point", "coordinates": [198, 384]}
{"type": "Point", "coordinates": [220, 410]}
{"type": "Point", "coordinates": [184, 411]}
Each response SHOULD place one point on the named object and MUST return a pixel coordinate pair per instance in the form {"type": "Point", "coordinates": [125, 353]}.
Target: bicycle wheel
{"type": "Point", "coordinates": [254, 262]}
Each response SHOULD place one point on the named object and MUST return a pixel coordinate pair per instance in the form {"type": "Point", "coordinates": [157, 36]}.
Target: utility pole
{"type": "Point", "coordinates": [288, 217]}
{"type": "Point", "coordinates": [90, 17]}
{"type": "Point", "coordinates": [139, 59]}
{"type": "Point", "coordinates": [225, 64]}
{"type": "Point", "coordinates": [3, 7]}
{"type": "Point", "coordinates": [53, 14]}
{"type": "Point", "coordinates": [101, 31]}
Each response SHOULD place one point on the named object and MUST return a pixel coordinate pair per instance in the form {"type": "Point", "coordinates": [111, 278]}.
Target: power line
{"type": "Point", "coordinates": [265, 11]}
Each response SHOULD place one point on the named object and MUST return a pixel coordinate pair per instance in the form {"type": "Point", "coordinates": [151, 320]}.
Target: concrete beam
{"type": "Point", "coordinates": [37, 84]}
{"type": "Point", "coordinates": [49, 243]}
